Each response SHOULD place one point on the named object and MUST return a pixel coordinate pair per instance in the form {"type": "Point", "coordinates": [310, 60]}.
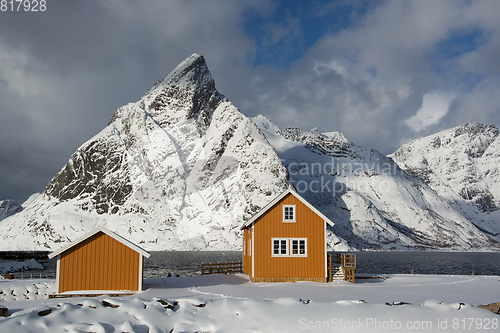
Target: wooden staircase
{"type": "Point", "coordinates": [341, 267]}
{"type": "Point", "coordinates": [336, 273]}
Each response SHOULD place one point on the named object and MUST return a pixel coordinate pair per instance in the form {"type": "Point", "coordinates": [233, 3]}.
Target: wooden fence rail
{"type": "Point", "coordinates": [221, 268]}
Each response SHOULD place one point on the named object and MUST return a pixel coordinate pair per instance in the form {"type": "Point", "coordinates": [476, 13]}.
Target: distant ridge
{"type": "Point", "coordinates": [462, 165]}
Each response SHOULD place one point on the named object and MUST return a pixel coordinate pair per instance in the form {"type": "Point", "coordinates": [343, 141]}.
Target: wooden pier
{"type": "Point", "coordinates": [221, 268]}
{"type": "Point", "coordinates": [342, 265]}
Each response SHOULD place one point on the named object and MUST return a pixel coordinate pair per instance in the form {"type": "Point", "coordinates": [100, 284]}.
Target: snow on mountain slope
{"type": "Point", "coordinates": [8, 208]}
{"type": "Point", "coordinates": [31, 198]}
{"type": "Point", "coordinates": [463, 166]}
{"type": "Point", "coordinates": [180, 169]}
{"type": "Point", "coordinates": [373, 202]}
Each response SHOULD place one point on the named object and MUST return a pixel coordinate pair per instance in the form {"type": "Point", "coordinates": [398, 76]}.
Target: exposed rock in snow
{"type": "Point", "coordinates": [463, 166]}
{"type": "Point", "coordinates": [8, 208]}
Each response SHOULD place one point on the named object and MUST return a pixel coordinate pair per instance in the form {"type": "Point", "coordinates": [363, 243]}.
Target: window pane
{"type": "Point", "coordinates": [276, 246]}
{"type": "Point", "coordinates": [302, 249]}
{"type": "Point", "coordinates": [283, 246]}
{"type": "Point", "coordinates": [295, 246]}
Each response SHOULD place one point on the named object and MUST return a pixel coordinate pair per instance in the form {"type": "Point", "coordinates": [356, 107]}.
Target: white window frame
{"type": "Point", "coordinates": [293, 219]}
{"type": "Point", "coordinates": [287, 248]}
{"type": "Point", "coordinates": [298, 254]}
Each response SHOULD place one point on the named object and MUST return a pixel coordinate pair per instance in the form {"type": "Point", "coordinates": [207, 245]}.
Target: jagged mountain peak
{"type": "Point", "coordinates": [187, 93]}
{"type": "Point", "coordinates": [472, 128]}
{"type": "Point", "coordinates": [334, 144]}
{"type": "Point", "coordinates": [315, 131]}
{"type": "Point", "coordinates": [191, 71]}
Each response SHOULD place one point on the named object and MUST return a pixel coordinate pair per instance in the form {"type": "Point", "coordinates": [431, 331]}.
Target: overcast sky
{"type": "Point", "coordinates": [381, 72]}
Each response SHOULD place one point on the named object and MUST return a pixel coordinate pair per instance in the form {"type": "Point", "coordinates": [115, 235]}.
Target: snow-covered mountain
{"type": "Point", "coordinates": [8, 208]}
{"type": "Point", "coordinates": [463, 166]}
{"type": "Point", "coordinates": [373, 203]}
{"type": "Point", "coordinates": [180, 169]}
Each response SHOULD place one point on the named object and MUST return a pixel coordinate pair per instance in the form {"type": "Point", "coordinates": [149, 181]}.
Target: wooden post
{"type": "Point", "coordinates": [330, 266]}
{"type": "Point", "coordinates": [412, 271]}
{"type": "Point", "coordinates": [472, 272]}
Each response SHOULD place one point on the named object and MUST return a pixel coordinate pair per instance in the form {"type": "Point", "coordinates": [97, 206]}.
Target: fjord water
{"type": "Point", "coordinates": [188, 263]}
{"type": "Point", "coordinates": [184, 263]}
{"type": "Point", "coordinates": [423, 262]}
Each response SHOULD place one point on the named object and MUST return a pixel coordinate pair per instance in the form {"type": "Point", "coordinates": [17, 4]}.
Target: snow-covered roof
{"type": "Point", "coordinates": [276, 200]}
{"type": "Point", "coordinates": [107, 232]}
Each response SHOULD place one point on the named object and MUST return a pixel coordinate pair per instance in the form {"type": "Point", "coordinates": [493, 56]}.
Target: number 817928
{"type": "Point", "coordinates": [23, 5]}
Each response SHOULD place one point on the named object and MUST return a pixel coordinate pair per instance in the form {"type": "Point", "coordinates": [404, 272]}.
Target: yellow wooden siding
{"type": "Point", "coordinates": [99, 263]}
{"type": "Point", "coordinates": [247, 251]}
{"type": "Point", "coordinates": [308, 225]}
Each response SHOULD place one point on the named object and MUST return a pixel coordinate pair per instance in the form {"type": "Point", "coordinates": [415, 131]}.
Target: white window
{"type": "Point", "coordinates": [288, 213]}
{"type": "Point", "coordinates": [280, 247]}
{"type": "Point", "coordinates": [289, 247]}
{"type": "Point", "coordinates": [299, 246]}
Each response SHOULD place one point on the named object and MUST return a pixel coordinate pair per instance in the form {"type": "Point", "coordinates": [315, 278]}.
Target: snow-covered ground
{"type": "Point", "coordinates": [17, 266]}
{"type": "Point", "coordinates": [21, 290]}
{"type": "Point", "coordinates": [232, 303]}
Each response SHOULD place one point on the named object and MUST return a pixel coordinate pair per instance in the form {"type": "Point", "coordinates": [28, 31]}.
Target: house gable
{"type": "Point", "coordinates": [278, 199]}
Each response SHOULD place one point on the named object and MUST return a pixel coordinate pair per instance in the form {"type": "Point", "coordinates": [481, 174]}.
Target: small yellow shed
{"type": "Point", "coordinates": [99, 262]}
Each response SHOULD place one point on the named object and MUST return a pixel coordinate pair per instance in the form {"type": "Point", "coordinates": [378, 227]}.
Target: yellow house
{"type": "Point", "coordinates": [286, 241]}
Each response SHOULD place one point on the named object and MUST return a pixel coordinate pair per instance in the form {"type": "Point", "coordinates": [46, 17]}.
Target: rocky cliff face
{"type": "Point", "coordinates": [463, 166]}
{"type": "Point", "coordinates": [181, 168]}
{"type": "Point", "coordinates": [374, 203]}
